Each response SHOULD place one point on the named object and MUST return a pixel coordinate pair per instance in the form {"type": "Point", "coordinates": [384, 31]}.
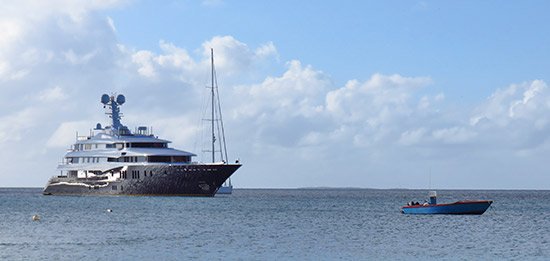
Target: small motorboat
{"type": "Point", "coordinates": [469, 207]}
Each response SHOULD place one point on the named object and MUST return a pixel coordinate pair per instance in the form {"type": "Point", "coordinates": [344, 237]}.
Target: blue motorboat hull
{"type": "Point", "coordinates": [458, 208]}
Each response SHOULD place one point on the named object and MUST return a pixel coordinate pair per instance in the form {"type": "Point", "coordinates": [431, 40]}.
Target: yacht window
{"type": "Point", "coordinates": [110, 146]}
{"type": "Point", "coordinates": [181, 159]}
{"type": "Point", "coordinates": [148, 145]}
{"type": "Point", "coordinates": [87, 146]}
{"type": "Point", "coordinates": [159, 159]}
{"type": "Point", "coordinates": [119, 145]}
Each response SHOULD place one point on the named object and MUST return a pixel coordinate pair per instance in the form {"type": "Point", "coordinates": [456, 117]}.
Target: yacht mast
{"type": "Point", "coordinates": [213, 135]}
{"type": "Point", "coordinates": [216, 117]}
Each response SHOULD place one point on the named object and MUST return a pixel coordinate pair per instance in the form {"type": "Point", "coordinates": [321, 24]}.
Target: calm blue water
{"type": "Point", "coordinates": [271, 224]}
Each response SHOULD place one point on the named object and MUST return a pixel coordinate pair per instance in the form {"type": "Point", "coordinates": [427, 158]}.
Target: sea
{"type": "Point", "coordinates": [272, 224]}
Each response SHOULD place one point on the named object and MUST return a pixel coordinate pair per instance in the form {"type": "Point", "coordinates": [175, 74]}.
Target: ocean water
{"type": "Point", "coordinates": [260, 224]}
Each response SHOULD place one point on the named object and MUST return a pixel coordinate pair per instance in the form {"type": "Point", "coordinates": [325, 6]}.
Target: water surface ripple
{"type": "Point", "coordinates": [260, 224]}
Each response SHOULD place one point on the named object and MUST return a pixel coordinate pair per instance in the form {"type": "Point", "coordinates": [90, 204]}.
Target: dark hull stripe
{"type": "Point", "coordinates": [191, 180]}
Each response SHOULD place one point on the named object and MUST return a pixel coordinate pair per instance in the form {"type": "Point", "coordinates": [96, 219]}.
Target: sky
{"type": "Point", "coordinates": [368, 94]}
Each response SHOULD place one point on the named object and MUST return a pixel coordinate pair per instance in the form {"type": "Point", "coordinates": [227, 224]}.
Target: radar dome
{"type": "Point", "coordinates": [120, 99]}
{"type": "Point", "coordinates": [104, 98]}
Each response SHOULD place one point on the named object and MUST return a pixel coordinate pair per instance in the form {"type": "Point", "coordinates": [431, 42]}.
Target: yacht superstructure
{"type": "Point", "coordinates": [113, 160]}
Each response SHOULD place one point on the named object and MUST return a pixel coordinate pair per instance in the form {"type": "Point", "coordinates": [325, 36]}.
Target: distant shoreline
{"type": "Point", "coordinates": [355, 188]}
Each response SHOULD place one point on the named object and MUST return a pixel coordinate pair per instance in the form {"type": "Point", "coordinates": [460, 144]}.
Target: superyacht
{"type": "Point", "coordinates": [113, 160]}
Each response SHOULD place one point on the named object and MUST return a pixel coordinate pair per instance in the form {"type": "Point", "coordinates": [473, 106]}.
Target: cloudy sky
{"type": "Point", "coordinates": [379, 94]}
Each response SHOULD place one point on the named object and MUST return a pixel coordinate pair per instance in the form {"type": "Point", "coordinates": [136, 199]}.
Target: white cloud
{"type": "Point", "coordinates": [412, 137]}
{"type": "Point", "coordinates": [173, 59]}
{"type": "Point", "coordinates": [233, 56]}
{"type": "Point", "coordinates": [145, 61]}
{"type": "Point", "coordinates": [378, 97]}
{"type": "Point", "coordinates": [52, 95]}
{"type": "Point", "coordinates": [65, 135]}
{"type": "Point", "coordinates": [298, 92]}
{"type": "Point", "coordinates": [111, 24]}
{"type": "Point", "coordinates": [514, 102]}
{"type": "Point", "coordinates": [526, 101]}
{"type": "Point", "coordinates": [454, 135]}
{"type": "Point", "coordinates": [528, 105]}
{"type": "Point", "coordinates": [13, 126]}
{"type": "Point", "coordinates": [265, 51]}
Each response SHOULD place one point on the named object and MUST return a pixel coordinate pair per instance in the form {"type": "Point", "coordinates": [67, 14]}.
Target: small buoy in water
{"type": "Point", "coordinates": [35, 218]}
{"type": "Point", "coordinates": [109, 210]}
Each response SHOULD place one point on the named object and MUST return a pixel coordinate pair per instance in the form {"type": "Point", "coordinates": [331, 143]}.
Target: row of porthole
{"type": "Point", "coordinates": [197, 170]}
{"type": "Point", "coordinates": [136, 174]}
